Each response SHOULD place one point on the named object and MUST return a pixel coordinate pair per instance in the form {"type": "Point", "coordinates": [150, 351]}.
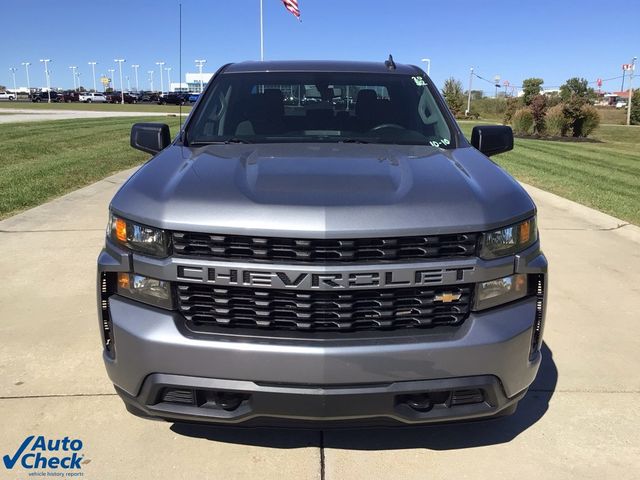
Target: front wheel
{"type": "Point", "coordinates": [89, 101]}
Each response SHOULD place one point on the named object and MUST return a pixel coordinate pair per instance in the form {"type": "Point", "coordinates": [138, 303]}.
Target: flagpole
{"type": "Point", "coordinates": [261, 35]}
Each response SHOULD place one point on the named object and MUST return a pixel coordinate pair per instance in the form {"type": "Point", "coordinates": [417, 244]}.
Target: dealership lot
{"type": "Point", "coordinates": [580, 419]}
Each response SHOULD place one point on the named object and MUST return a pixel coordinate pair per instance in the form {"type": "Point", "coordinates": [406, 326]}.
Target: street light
{"type": "Point", "coordinates": [168, 70]}
{"type": "Point", "coordinates": [15, 88]}
{"type": "Point", "coordinates": [120, 61]}
{"type": "Point", "coordinates": [45, 62]}
{"type": "Point", "coordinates": [135, 67]}
{"type": "Point", "coordinates": [161, 64]}
{"type": "Point", "coordinates": [496, 82]}
{"type": "Point", "coordinates": [150, 72]}
{"type": "Point", "coordinates": [73, 73]}
{"type": "Point", "coordinates": [633, 68]}
{"type": "Point", "coordinates": [93, 70]}
{"type": "Point", "coordinates": [428, 62]}
{"type": "Point", "coordinates": [468, 110]}
{"type": "Point", "coordinates": [200, 64]}
{"type": "Point", "coordinates": [26, 66]}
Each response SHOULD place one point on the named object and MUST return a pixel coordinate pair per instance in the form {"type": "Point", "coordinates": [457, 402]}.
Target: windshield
{"type": "Point", "coordinates": [291, 107]}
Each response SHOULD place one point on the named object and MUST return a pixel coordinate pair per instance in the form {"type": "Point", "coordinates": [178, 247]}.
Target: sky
{"type": "Point", "coordinates": [553, 40]}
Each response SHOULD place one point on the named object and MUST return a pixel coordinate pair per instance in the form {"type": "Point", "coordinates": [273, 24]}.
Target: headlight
{"type": "Point", "coordinates": [136, 237]}
{"type": "Point", "coordinates": [509, 240]}
{"type": "Point", "coordinates": [144, 289]}
{"type": "Point", "coordinates": [502, 290]}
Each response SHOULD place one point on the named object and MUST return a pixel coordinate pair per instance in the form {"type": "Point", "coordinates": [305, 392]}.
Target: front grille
{"type": "Point", "coordinates": [323, 250]}
{"type": "Point", "coordinates": [323, 311]}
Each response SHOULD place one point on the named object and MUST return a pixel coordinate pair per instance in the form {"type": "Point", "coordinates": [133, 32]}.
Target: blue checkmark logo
{"type": "Point", "coordinates": [10, 462]}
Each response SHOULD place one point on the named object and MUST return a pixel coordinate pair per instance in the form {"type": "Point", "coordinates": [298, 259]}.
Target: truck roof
{"type": "Point", "coordinates": [319, 66]}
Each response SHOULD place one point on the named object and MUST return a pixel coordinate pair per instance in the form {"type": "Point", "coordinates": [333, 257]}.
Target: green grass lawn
{"type": "Point", "coordinates": [603, 175]}
{"type": "Point", "coordinates": [96, 107]}
{"type": "Point", "coordinates": [43, 160]}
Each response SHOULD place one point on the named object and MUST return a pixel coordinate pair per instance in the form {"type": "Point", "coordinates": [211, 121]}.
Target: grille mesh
{"type": "Point", "coordinates": [323, 250]}
{"type": "Point", "coordinates": [321, 311]}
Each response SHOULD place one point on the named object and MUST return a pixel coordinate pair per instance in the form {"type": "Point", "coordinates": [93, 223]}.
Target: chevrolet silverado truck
{"type": "Point", "coordinates": [321, 263]}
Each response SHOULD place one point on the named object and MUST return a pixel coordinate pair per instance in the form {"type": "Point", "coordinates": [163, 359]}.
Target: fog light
{"type": "Point", "coordinates": [145, 289]}
{"type": "Point", "coordinates": [502, 290]}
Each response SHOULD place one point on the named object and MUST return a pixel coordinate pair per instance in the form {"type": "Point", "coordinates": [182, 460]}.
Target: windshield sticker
{"type": "Point", "coordinates": [441, 143]}
{"type": "Point", "coordinates": [419, 81]}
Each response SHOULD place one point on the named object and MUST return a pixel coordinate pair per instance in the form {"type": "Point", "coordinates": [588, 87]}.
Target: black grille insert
{"type": "Point", "coordinates": [322, 310]}
{"type": "Point", "coordinates": [323, 250]}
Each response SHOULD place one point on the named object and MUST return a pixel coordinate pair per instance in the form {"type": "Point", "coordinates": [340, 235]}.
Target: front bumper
{"type": "Point", "coordinates": [343, 378]}
{"type": "Point", "coordinates": [322, 380]}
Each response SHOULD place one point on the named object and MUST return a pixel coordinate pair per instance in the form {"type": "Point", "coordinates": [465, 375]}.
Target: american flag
{"type": "Point", "coordinates": [292, 6]}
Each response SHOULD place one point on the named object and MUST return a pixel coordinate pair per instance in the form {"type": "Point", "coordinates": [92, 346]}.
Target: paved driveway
{"type": "Point", "coordinates": [580, 420]}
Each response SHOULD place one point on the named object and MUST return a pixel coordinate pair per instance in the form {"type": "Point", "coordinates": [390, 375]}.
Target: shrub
{"type": "Point", "coordinates": [522, 121]}
{"type": "Point", "coordinates": [530, 89]}
{"type": "Point", "coordinates": [538, 110]}
{"type": "Point", "coordinates": [635, 107]}
{"type": "Point", "coordinates": [590, 119]}
{"type": "Point", "coordinates": [512, 105]}
{"type": "Point", "coordinates": [453, 95]}
{"type": "Point", "coordinates": [556, 123]}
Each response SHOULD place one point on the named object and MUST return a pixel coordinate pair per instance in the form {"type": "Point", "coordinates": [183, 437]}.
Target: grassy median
{"type": "Point", "coordinates": [43, 160]}
{"type": "Point", "coordinates": [94, 107]}
{"type": "Point", "coordinates": [603, 174]}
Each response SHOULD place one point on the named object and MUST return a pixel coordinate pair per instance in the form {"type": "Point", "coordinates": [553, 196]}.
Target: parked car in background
{"type": "Point", "coordinates": [173, 98]}
{"type": "Point", "coordinates": [115, 97]}
{"type": "Point", "coordinates": [149, 97]}
{"type": "Point", "coordinates": [193, 98]}
{"type": "Point", "coordinates": [7, 96]}
{"type": "Point", "coordinates": [70, 96]}
{"type": "Point", "coordinates": [90, 97]}
{"type": "Point", "coordinates": [621, 105]}
{"type": "Point", "coordinates": [38, 97]}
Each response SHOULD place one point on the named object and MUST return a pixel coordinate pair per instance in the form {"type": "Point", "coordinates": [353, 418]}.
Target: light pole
{"type": "Point", "coordinates": [128, 83]}
{"type": "Point", "coordinates": [161, 64]}
{"type": "Point", "coordinates": [135, 67]}
{"type": "Point", "coordinates": [15, 88]}
{"type": "Point", "coordinates": [93, 70]}
{"type": "Point", "coordinates": [45, 62]}
{"type": "Point", "coordinates": [168, 70]}
{"type": "Point", "coordinates": [200, 64]}
{"type": "Point", "coordinates": [428, 62]}
{"type": "Point", "coordinates": [150, 72]}
{"type": "Point", "coordinates": [73, 73]}
{"type": "Point", "coordinates": [468, 110]}
{"type": "Point", "coordinates": [496, 82]}
{"type": "Point", "coordinates": [633, 67]}
{"type": "Point", "coordinates": [120, 61]}
{"type": "Point", "coordinates": [78, 77]}
{"type": "Point", "coordinates": [26, 66]}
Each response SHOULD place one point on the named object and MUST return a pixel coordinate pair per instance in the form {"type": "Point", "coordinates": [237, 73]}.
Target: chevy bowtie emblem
{"type": "Point", "coordinates": [447, 297]}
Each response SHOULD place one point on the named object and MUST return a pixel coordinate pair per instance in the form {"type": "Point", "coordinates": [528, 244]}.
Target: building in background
{"type": "Point", "coordinates": [191, 83]}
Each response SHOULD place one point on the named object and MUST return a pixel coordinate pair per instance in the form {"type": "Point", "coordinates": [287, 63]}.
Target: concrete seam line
{"type": "Point", "coordinates": [59, 395]}
{"type": "Point", "coordinates": [54, 230]}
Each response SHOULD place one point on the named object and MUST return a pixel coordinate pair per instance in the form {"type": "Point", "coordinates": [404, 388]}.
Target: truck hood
{"type": "Point", "coordinates": [322, 191]}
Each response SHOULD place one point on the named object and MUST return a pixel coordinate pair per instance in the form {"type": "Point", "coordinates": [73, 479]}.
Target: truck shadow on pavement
{"type": "Point", "coordinates": [435, 437]}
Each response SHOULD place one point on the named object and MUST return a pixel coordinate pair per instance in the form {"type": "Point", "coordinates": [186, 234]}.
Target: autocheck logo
{"type": "Point", "coordinates": [40, 453]}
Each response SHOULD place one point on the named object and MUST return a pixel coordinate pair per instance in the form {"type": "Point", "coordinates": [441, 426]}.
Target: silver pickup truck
{"type": "Point", "coordinates": [320, 245]}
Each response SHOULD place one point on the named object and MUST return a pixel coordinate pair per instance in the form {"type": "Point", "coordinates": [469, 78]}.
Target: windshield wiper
{"type": "Point", "coordinates": [222, 142]}
{"type": "Point", "coordinates": [352, 140]}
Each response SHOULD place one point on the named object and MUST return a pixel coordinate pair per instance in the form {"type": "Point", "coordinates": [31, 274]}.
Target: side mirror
{"type": "Point", "coordinates": [150, 137]}
{"type": "Point", "coordinates": [492, 139]}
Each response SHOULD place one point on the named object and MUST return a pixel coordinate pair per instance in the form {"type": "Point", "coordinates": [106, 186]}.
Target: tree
{"type": "Point", "coordinates": [635, 107]}
{"type": "Point", "coordinates": [538, 110]}
{"type": "Point", "coordinates": [577, 89]}
{"type": "Point", "coordinates": [452, 92]}
{"type": "Point", "coordinates": [2, 88]}
{"type": "Point", "coordinates": [531, 88]}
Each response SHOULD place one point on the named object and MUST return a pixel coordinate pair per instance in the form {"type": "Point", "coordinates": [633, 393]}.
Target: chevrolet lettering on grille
{"type": "Point", "coordinates": [225, 276]}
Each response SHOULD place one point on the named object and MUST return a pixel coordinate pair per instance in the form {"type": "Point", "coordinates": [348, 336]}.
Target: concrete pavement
{"type": "Point", "coordinates": [580, 419]}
